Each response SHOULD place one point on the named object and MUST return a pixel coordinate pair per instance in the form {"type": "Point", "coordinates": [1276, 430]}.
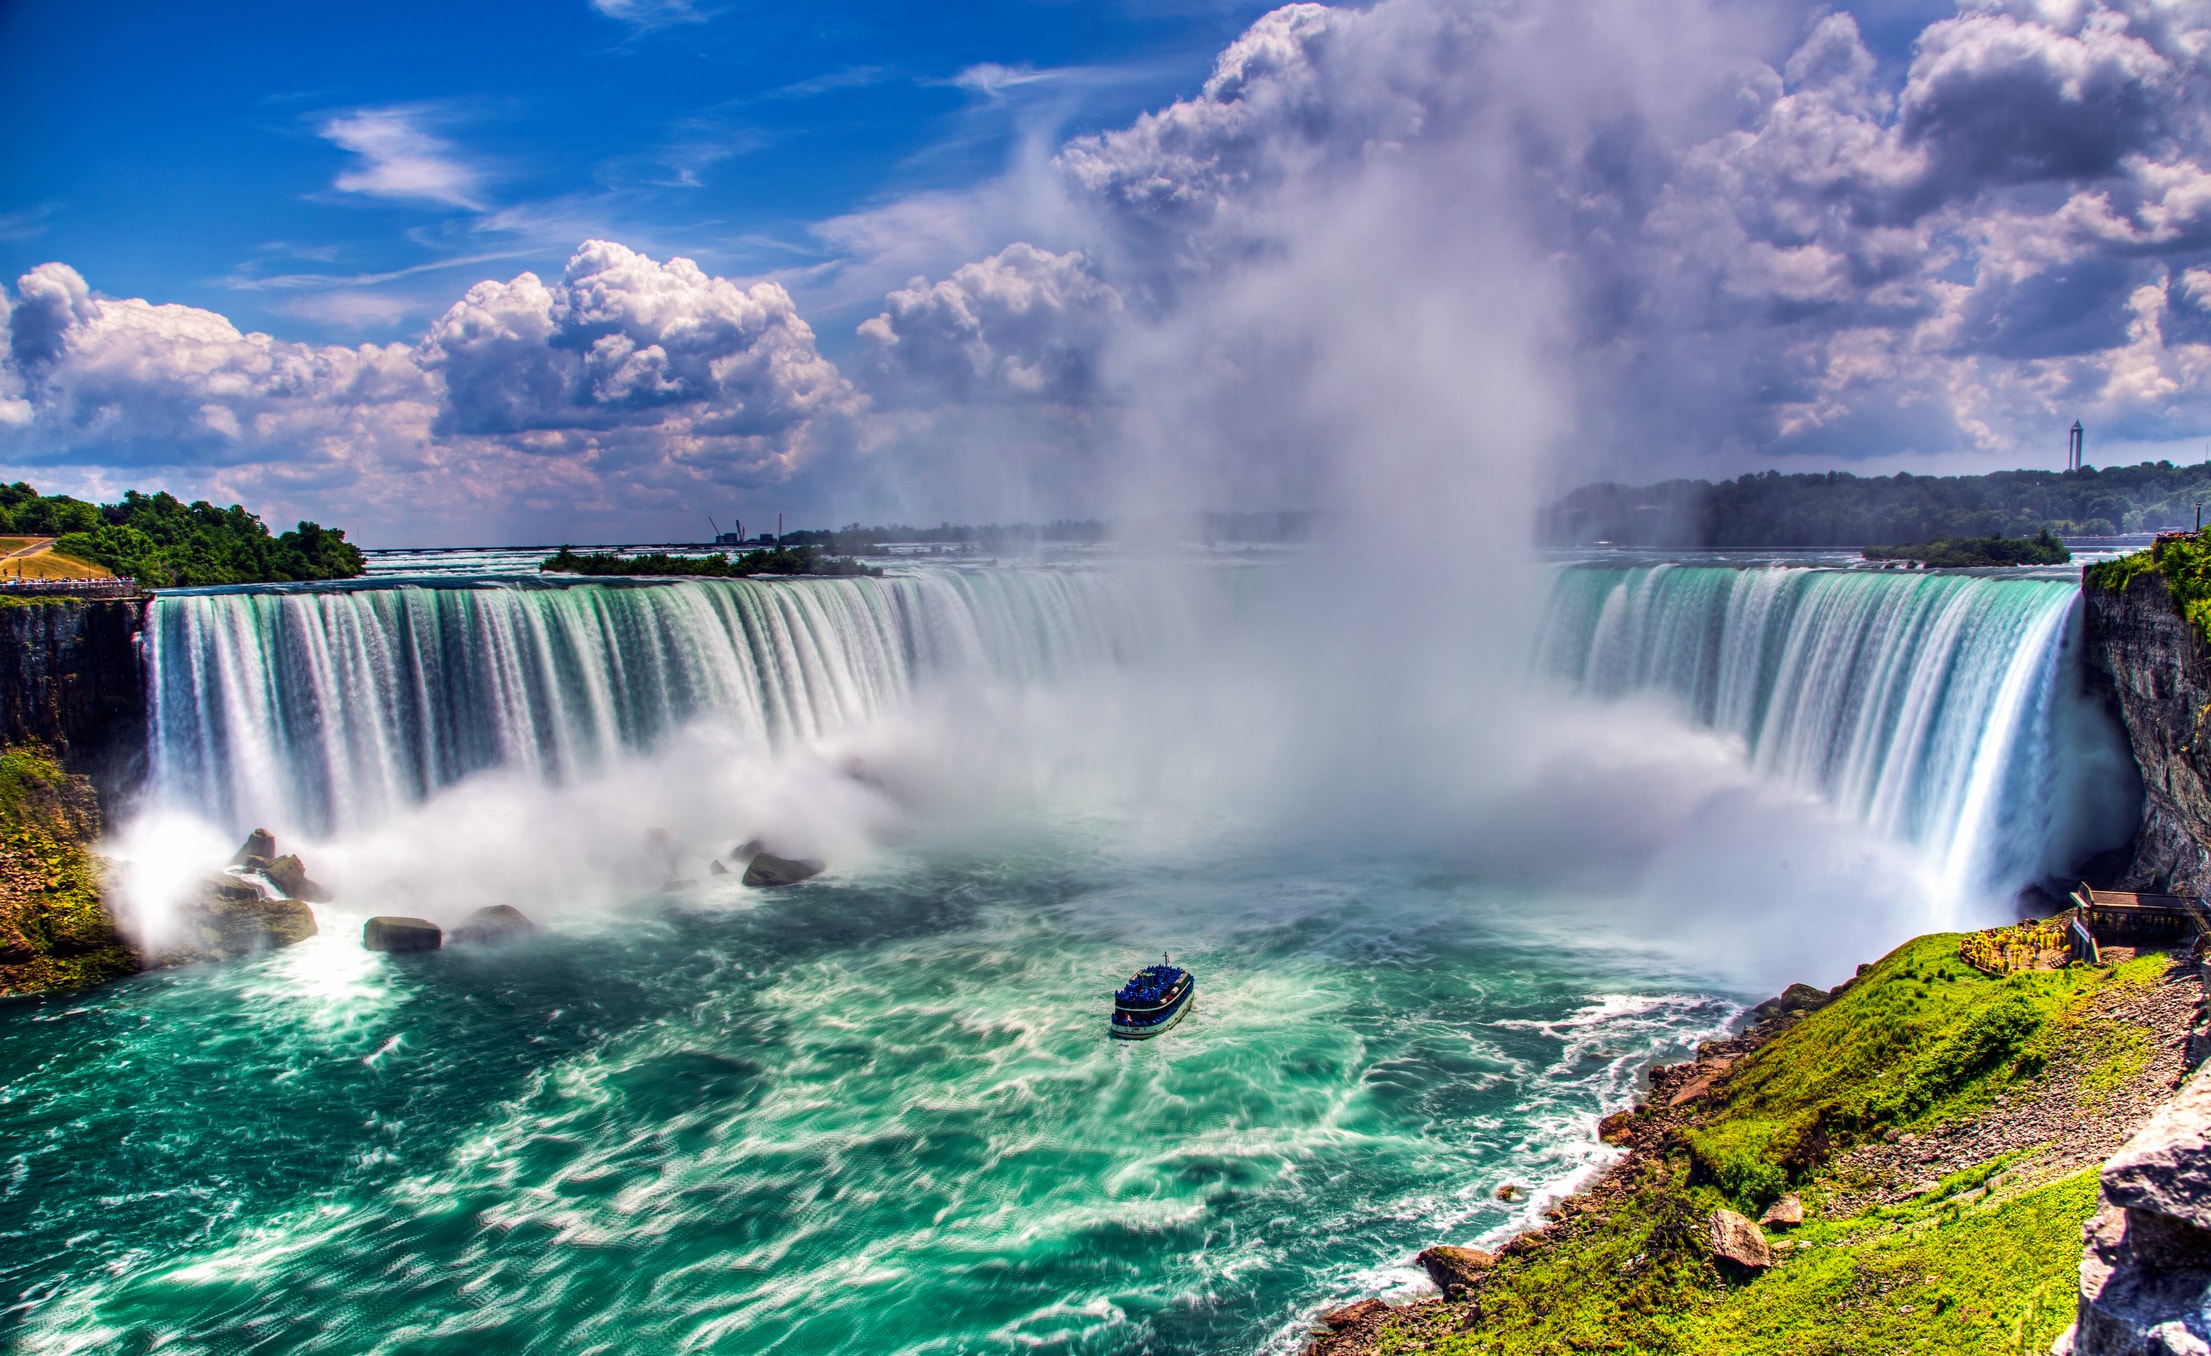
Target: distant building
{"type": "Point", "coordinates": [2075, 445]}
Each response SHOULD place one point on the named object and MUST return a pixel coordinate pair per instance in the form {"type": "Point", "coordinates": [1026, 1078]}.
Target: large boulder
{"type": "Point", "coordinates": [260, 843]}
{"type": "Point", "coordinates": [387, 933]}
{"type": "Point", "coordinates": [1453, 1268]}
{"type": "Point", "coordinates": [225, 917]}
{"type": "Point", "coordinates": [289, 875]}
{"type": "Point", "coordinates": [768, 870]}
{"type": "Point", "coordinates": [492, 926]}
{"type": "Point", "coordinates": [1790, 1005]}
{"type": "Point", "coordinates": [2146, 1267]}
{"type": "Point", "coordinates": [1355, 1313]}
{"type": "Point", "coordinates": [1738, 1242]}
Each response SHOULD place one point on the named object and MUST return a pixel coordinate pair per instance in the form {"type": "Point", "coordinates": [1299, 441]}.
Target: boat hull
{"type": "Point", "coordinates": [1145, 1032]}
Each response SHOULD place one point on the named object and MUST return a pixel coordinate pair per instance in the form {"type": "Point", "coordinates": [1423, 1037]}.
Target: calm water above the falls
{"type": "Point", "coordinates": [863, 1117]}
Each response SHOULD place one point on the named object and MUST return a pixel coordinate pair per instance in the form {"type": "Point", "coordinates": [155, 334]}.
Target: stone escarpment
{"type": "Point", "coordinates": [2153, 667]}
{"type": "Point", "coordinates": [71, 681]}
{"type": "Point", "coordinates": [2145, 1286]}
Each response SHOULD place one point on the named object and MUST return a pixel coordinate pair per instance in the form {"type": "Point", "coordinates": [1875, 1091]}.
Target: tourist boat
{"type": "Point", "coordinates": [1153, 1000]}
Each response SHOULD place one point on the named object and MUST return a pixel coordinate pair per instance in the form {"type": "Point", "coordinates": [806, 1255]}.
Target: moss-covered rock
{"type": "Point", "coordinates": [55, 931]}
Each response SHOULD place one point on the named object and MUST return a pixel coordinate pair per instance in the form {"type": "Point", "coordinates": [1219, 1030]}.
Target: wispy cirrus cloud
{"type": "Point", "coordinates": [649, 13]}
{"type": "Point", "coordinates": [402, 159]}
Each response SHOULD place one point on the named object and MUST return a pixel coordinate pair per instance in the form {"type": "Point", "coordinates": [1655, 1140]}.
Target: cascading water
{"type": "Point", "coordinates": [1940, 709]}
{"type": "Point", "coordinates": [328, 709]}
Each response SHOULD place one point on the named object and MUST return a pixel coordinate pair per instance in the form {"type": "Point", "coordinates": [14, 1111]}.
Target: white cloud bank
{"type": "Point", "coordinates": [625, 384]}
{"type": "Point", "coordinates": [1668, 235]}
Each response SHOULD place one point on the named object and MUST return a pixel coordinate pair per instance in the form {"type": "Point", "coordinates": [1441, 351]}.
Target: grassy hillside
{"type": "Point", "coordinates": [1981, 1260]}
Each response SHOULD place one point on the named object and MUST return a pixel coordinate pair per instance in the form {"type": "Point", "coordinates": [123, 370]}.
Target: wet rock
{"type": "Point", "coordinates": [289, 875]}
{"type": "Point", "coordinates": [1738, 1242]}
{"type": "Point", "coordinates": [1786, 1213]}
{"type": "Point", "coordinates": [260, 843]}
{"type": "Point", "coordinates": [1617, 1128]}
{"type": "Point", "coordinates": [1453, 1267]}
{"type": "Point", "coordinates": [1790, 1005]}
{"type": "Point", "coordinates": [747, 850]}
{"type": "Point", "coordinates": [1511, 1191]}
{"type": "Point", "coordinates": [493, 925]}
{"type": "Point", "coordinates": [1708, 1077]}
{"type": "Point", "coordinates": [715, 868]}
{"type": "Point", "coordinates": [387, 933]}
{"type": "Point", "coordinates": [1531, 1241]}
{"type": "Point", "coordinates": [769, 870]}
{"type": "Point", "coordinates": [1353, 1314]}
{"type": "Point", "coordinates": [226, 917]}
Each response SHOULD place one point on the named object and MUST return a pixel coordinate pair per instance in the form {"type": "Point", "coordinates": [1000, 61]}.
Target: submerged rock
{"type": "Point", "coordinates": [1737, 1241]}
{"type": "Point", "coordinates": [768, 870]}
{"type": "Point", "coordinates": [387, 933]}
{"type": "Point", "coordinates": [1786, 1213]}
{"type": "Point", "coordinates": [1452, 1267]}
{"type": "Point", "coordinates": [289, 875]}
{"type": "Point", "coordinates": [493, 925]}
{"type": "Point", "coordinates": [260, 843]}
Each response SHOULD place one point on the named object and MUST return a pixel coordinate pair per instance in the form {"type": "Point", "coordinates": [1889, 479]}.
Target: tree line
{"type": "Point", "coordinates": [1837, 510]}
{"type": "Point", "coordinates": [163, 542]}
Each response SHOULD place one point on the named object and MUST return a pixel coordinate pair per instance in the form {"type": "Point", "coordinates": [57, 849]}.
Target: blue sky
{"type": "Point", "coordinates": [592, 269]}
{"type": "Point", "coordinates": [206, 163]}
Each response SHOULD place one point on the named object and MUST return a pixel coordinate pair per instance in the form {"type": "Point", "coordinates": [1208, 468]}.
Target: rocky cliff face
{"type": "Point", "coordinates": [70, 678]}
{"type": "Point", "coordinates": [2155, 668]}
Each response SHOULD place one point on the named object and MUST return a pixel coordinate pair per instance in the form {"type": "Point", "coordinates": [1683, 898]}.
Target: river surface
{"type": "Point", "coordinates": [870, 1117]}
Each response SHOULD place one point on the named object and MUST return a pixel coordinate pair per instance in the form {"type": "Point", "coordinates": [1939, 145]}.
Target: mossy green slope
{"type": "Point", "coordinates": [1985, 1262]}
{"type": "Point", "coordinates": [55, 933]}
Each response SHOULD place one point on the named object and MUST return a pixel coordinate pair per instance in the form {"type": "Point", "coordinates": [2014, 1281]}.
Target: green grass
{"type": "Point", "coordinates": [2184, 561]}
{"type": "Point", "coordinates": [1939, 1279]}
{"type": "Point", "coordinates": [1921, 1039]}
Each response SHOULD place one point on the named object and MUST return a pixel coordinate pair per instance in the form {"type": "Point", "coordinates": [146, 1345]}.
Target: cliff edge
{"type": "Point", "coordinates": [2152, 665]}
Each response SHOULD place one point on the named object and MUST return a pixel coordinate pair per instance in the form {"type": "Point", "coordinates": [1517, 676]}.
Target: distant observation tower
{"type": "Point", "coordinates": [2075, 445]}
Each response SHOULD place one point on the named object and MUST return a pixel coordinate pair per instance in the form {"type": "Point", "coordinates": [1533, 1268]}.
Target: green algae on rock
{"type": "Point", "coordinates": [55, 931]}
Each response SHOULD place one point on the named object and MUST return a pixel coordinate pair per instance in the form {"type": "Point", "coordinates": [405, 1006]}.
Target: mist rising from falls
{"type": "Point", "coordinates": [1941, 710]}
{"type": "Point", "coordinates": [328, 710]}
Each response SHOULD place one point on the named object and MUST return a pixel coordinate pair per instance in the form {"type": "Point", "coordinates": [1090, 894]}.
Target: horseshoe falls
{"type": "Point", "coordinates": [879, 1112]}
{"type": "Point", "coordinates": [331, 708]}
{"type": "Point", "coordinates": [1942, 710]}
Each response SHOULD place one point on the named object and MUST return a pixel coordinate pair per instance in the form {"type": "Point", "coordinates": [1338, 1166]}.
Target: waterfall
{"type": "Point", "coordinates": [1941, 709]}
{"type": "Point", "coordinates": [330, 708]}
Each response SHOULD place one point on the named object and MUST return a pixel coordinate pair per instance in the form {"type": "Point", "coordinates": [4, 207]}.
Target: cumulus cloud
{"type": "Point", "coordinates": [401, 159]}
{"type": "Point", "coordinates": [1024, 324]}
{"type": "Point", "coordinates": [625, 384]}
{"type": "Point", "coordinates": [1641, 231]}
